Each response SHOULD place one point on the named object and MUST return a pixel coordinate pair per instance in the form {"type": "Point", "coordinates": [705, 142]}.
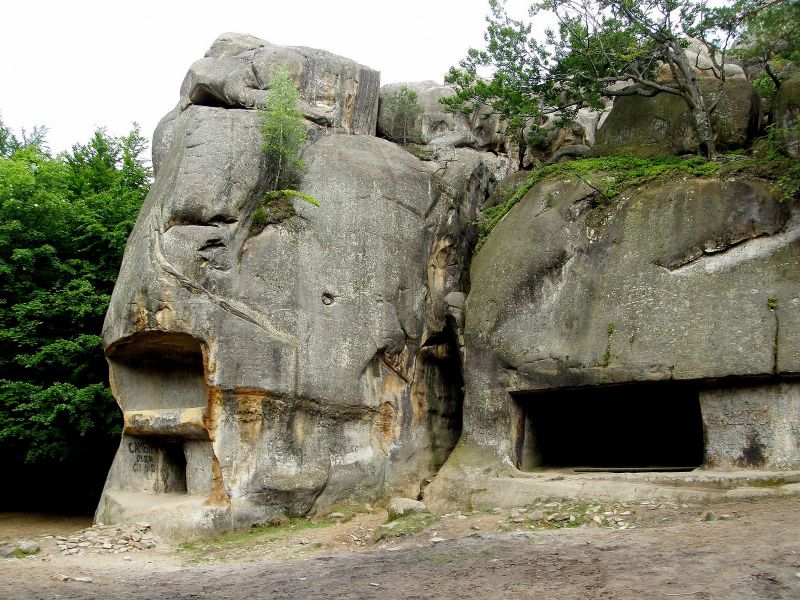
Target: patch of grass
{"type": "Point", "coordinates": [406, 525]}
{"type": "Point", "coordinates": [22, 554]}
{"type": "Point", "coordinates": [781, 172]}
{"type": "Point", "coordinates": [253, 535]}
{"type": "Point", "coordinates": [443, 559]}
{"type": "Point", "coordinates": [348, 510]}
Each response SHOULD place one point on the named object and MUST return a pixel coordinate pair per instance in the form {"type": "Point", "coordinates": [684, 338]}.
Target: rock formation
{"type": "Point", "coordinates": [275, 370]}
{"type": "Point", "coordinates": [786, 116]}
{"type": "Point", "coordinates": [352, 350]}
{"type": "Point", "coordinates": [439, 128]}
{"type": "Point", "coordinates": [660, 329]}
{"type": "Point", "coordinates": [661, 125]}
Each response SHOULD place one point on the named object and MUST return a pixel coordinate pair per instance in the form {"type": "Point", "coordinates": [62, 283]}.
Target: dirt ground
{"type": "Point", "coordinates": [746, 549]}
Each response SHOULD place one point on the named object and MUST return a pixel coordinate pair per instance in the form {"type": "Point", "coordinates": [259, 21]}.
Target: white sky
{"type": "Point", "coordinates": [75, 65]}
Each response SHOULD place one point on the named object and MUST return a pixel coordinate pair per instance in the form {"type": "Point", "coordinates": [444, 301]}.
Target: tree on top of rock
{"type": "Point", "coordinates": [284, 131]}
{"type": "Point", "coordinates": [283, 128]}
{"type": "Point", "coordinates": [600, 49]}
{"type": "Point", "coordinates": [401, 110]}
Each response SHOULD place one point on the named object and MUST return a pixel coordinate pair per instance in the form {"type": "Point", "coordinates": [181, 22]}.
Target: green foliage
{"type": "Point", "coordinates": [278, 194]}
{"type": "Point", "coordinates": [772, 303]}
{"type": "Point", "coordinates": [773, 166]}
{"type": "Point", "coordinates": [64, 222]}
{"type": "Point", "coordinates": [401, 112]}
{"type": "Point", "coordinates": [601, 48]}
{"type": "Point", "coordinates": [770, 40]}
{"type": "Point", "coordinates": [284, 131]}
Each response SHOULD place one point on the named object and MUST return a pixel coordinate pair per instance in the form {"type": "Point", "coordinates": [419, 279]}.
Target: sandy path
{"type": "Point", "coordinates": [756, 555]}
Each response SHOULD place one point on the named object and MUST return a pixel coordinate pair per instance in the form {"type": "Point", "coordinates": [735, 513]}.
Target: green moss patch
{"type": "Point", "coordinates": [407, 525]}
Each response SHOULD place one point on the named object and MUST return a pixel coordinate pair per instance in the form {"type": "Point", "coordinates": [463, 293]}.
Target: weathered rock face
{"type": "Point", "coordinates": [661, 125]}
{"type": "Point", "coordinates": [336, 93]}
{"type": "Point", "coordinates": [786, 116]}
{"type": "Point", "coordinates": [266, 370]}
{"type": "Point", "coordinates": [660, 330]}
{"type": "Point", "coordinates": [438, 127]}
{"type": "Point", "coordinates": [704, 66]}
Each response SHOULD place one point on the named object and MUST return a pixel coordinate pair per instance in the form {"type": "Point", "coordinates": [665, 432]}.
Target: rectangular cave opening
{"type": "Point", "coordinates": [156, 464]}
{"type": "Point", "coordinates": [173, 467]}
{"type": "Point", "coordinates": [158, 370]}
{"type": "Point", "coordinates": [653, 426]}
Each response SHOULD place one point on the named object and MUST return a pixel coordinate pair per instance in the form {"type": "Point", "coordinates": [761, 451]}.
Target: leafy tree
{"type": "Point", "coordinates": [770, 40]}
{"type": "Point", "coordinates": [401, 111]}
{"type": "Point", "coordinates": [284, 131]}
{"type": "Point", "coordinates": [64, 222]}
{"type": "Point", "coordinates": [600, 49]}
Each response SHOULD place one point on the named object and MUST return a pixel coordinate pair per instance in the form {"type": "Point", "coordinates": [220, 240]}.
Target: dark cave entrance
{"type": "Point", "coordinates": [639, 426]}
{"type": "Point", "coordinates": [444, 389]}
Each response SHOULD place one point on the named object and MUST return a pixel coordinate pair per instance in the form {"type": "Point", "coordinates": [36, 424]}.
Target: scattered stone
{"type": "Point", "coordinates": [399, 507]}
{"type": "Point", "coordinates": [336, 515]}
{"type": "Point", "coordinates": [536, 515]}
{"type": "Point", "coordinates": [437, 540]}
{"type": "Point", "coordinates": [111, 539]}
{"type": "Point", "coordinates": [461, 517]}
{"type": "Point", "coordinates": [79, 578]}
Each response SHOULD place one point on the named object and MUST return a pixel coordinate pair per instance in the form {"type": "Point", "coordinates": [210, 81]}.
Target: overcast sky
{"type": "Point", "coordinates": [75, 65]}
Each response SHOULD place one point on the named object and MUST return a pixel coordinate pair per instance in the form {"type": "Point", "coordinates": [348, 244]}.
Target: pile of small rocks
{"type": "Point", "coordinates": [571, 514]}
{"type": "Point", "coordinates": [111, 539]}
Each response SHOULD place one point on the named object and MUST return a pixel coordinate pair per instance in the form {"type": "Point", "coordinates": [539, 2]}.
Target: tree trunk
{"type": "Point", "coordinates": [690, 88]}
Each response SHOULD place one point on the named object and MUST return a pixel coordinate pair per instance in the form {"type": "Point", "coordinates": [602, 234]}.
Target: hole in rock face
{"type": "Point", "coordinates": [158, 370]}
{"type": "Point", "coordinates": [173, 467]}
{"type": "Point", "coordinates": [205, 96]}
{"type": "Point", "coordinates": [445, 397]}
{"type": "Point", "coordinates": [639, 426]}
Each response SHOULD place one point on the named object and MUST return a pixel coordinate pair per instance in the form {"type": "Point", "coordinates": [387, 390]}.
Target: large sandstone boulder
{"type": "Point", "coordinates": [279, 367]}
{"type": "Point", "coordinates": [699, 57]}
{"type": "Point", "coordinates": [438, 127]}
{"type": "Point", "coordinates": [786, 116]}
{"type": "Point", "coordinates": [658, 330]}
{"type": "Point", "coordinates": [336, 93]}
{"type": "Point", "coordinates": [661, 125]}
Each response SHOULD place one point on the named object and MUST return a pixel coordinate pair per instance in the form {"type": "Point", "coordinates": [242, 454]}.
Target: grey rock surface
{"type": "Point", "coordinates": [438, 127]}
{"type": "Point", "coordinates": [279, 369]}
{"type": "Point", "coordinates": [661, 126]}
{"type": "Point", "coordinates": [693, 281]}
{"type": "Point", "coordinates": [337, 94]}
{"type": "Point", "coordinates": [399, 507]}
{"type": "Point", "coordinates": [786, 116]}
